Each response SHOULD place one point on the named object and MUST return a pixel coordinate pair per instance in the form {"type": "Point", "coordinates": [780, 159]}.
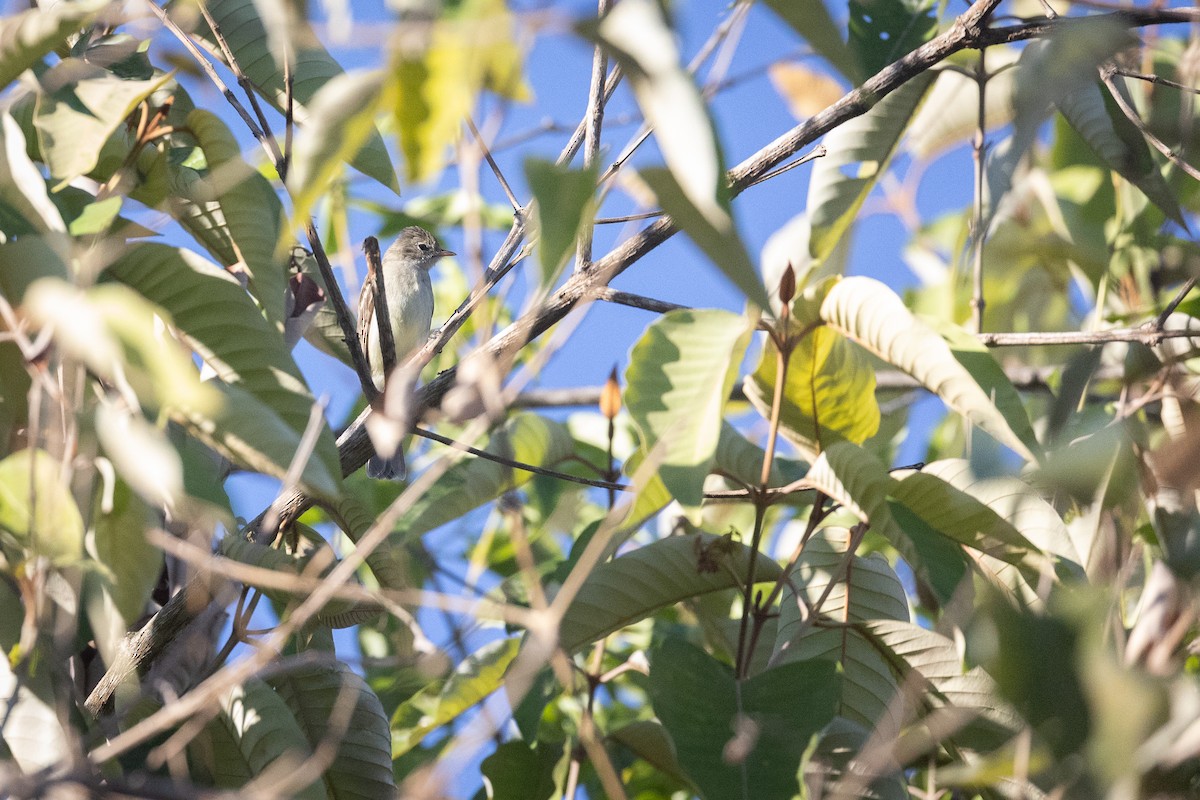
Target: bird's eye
{"type": "Point", "coordinates": [423, 247]}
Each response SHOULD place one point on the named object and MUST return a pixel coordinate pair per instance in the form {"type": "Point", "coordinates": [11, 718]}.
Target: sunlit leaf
{"type": "Point", "coordinates": [811, 19]}
{"type": "Point", "coordinates": [469, 48]}
{"type": "Point", "coordinates": [871, 314]}
{"type": "Point", "coordinates": [679, 377]}
{"type": "Point", "coordinates": [38, 509]}
{"type": "Point", "coordinates": [342, 122]}
{"type": "Point", "coordinates": [830, 391]}
{"type": "Point", "coordinates": [717, 237]}
{"type": "Point", "coordinates": [22, 186]}
{"type": "Point", "coordinates": [312, 67]}
{"type": "Point", "coordinates": [739, 739]}
{"type": "Point", "coordinates": [27, 36]}
{"type": "Point", "coordinates": [81, 105]}
{"type": "Point", "coordinates": [639, 37]}
{"type": "Point", "coordinates": [564, 199]}
{"type": "Point", "coordinates": [620, 592]}
{"type": "Point", "coordinates": [444, 700]}
{"type": "Point", "coordinates": [33, 734]}
{"type": "Point", "coordinates": [857, 156]}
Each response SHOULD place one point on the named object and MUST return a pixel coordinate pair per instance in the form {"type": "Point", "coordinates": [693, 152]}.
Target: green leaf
{"type": "Point", "coordinates": [471, 47]}
{"type": "Point", "coordinates": [443, 700]}
{"type": "Point", "coordinates": [37, 508]}
{"type": "Point", "coordinates": [342, 122]}
{"type": "Point", "coordinates": [857, 156]}
{"type": "Point", "coordinates": [526, 437]}
{"type": "Point", "coordinates": [319, 695]}
{"type": "Point", "coordinates": [120, 544]}
{"type": "Point", "coordinates": [31, 34]}
{"type": "Point", "coordinates": [864, 588]}
{"type": "Point", "coordinates": [34, 736]}
{"type": "Point", "coordinates": [24, 260]}
{"type": "Point", "coordinates": [871, 314]}
{"type": "Point", "coordinates": [633, 586]}
{"type": "Point", "coordinates": [639, 38]}
{"type": "Point", "coordinates": [714, 233]}
{"type": "Point", "coordinates": [649, 741]}
{"type": "Point", "coordinates": [884, 31]}
{"type": "Point", "coordinates": [1095, 116]}
{"type": "Point", "coordinates": [679, 377]}
{"type": "Point", "coordinates": [268, 405]}
{"type": "Point", "coordinates": [22, 187]}
{"type": "Point", "coordinates": [253, 215]}
{"type": "Point", "coordinates": [253, 729]}
{"type": "Point", "coordinates": [835, 758]}
{"type": "Point", "coordinates": [80, 106]}
{"type": "Point", "coordinates": [978, 361]}
{"type": "Point", "coordinates": [565, 198]}
{"type": "Point", "coordinates": [312, 67]}
{"type": "Point", "coordinates": [116, 333]}
{"type": "Point", "coordinates": [810, 19]}
{"type": "Point", "coordinates": [739, 740]}
{"type": "Point", "coordinates": [515, 771]}
{"type": "Point", "coordinates": [830, 392]}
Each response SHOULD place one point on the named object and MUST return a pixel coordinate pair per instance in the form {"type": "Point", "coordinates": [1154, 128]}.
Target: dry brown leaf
{"type": "Point", "coordinates": [806, 91]}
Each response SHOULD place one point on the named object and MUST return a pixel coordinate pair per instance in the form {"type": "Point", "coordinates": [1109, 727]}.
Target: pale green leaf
{"type": "Point", "coordinates": [716, 235]}
{"type": "Point", "coordinates": [637, 34]}
{"type": "Point", "coordinates": [869, 313]}
{"type": "Point", "coordinates": [22, 187]}
{"type": "Point", "coordinates": [118, 334]}
{"type": "Point", "coordinates": [33, 732]}
{"type": "Point", "coordinates": [633, 586]}
{"type": "Point", "coordinates": [311, 68]}
{"type": "Point", "coordinates": [864, 588]}
{"type": "Point", "coordinates": [443, 700]}
{"type": "Point", "coordinates": [811, 19]}
{"type": "Point", "coordinates": [253, 215]}
{"type": "Point", "coordinates": [249, 356]}
{"type": "Point", "coordinates": [679, 377]}
{"type": "Point", "coordinates": [120, 544]}
{"type": "Point", "coordinates": [857, 155]}
{"type": "Point", "coordinates": [319, 696]}
{"type": "Point", "coordinates": [37, 509]}
{"type": "Point", "coordinates": [31, 34]}
{"type": "Point", "coordinates": [1095, 116]}
{"type": "Point", "coordinates": [80, 106]}
{"type": "Point", "coordinates": [564, 200]}
{"type": "Point", "coordinates": [342, 122]}
{"type": "Point", "coordinates": [950, 113]}
{"type": "Point", "coordinates": [471, 47]}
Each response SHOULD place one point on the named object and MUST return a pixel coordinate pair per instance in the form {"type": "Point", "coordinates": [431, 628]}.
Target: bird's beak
{"type": "Point", "coordinates": [443, 253]}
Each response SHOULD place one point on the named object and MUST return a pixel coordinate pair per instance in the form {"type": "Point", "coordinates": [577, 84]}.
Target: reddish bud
{"type": "Point", "coordinates": [787, 285]}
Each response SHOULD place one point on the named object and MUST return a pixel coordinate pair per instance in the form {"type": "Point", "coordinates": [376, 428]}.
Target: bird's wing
{"type": "Point", "coordinates": [366, 312]}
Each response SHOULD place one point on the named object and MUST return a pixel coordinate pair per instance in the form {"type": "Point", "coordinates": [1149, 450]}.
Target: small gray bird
{"type": "Point", "coordinates": [406, 266]}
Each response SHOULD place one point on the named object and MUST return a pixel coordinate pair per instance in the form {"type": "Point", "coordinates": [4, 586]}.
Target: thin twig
{"type": "Point", "coordinates": [487, 154]}
{"type": "Point", "coordinates": [1131, 113]}
{"type": "Point", "coordinates": [244, 82]}
{"type": "Point", "coordinates": [635, 300]}
{"type": "Point", "coordinates": [817, 152]}
{"type": "Point", "coordinates": [979, 153]}
{"type": "Point", "coordinates": [333, 293]}
{"type": "Point", "coordinates": [1161, 321]}
{"type": "Point", "coordinates": [1145, 335]}
{"type": "Point", "coordinates": [594, 122]}
{"type": "Point", "coordinates": [1149, 78]}
{"type": "Point", "coordinates": [629, 218]}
